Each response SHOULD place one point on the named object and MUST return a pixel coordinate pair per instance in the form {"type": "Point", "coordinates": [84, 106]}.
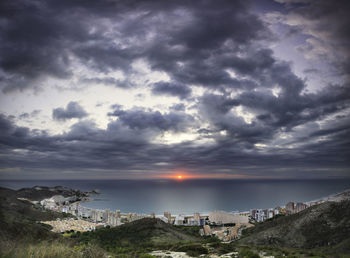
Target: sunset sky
{"type": "Point", "coordinates": [146, 89]}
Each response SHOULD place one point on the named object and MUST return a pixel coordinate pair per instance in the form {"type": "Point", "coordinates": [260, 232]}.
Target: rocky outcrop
{"type": "Point", "coordinates": [38, 193]}
{"type": "Point", "coordinates": [323, 225]}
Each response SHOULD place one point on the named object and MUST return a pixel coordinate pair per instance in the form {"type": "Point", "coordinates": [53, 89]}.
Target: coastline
{"type": "Point", "coordinates": [202, 196]}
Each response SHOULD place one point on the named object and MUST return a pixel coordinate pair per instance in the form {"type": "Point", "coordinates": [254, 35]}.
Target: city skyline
{"type": "Point", "coordinates": [174, 89]}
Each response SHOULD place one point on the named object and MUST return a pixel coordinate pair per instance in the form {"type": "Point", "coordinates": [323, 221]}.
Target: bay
{"type": "Point", "coordinates": [189, 196]}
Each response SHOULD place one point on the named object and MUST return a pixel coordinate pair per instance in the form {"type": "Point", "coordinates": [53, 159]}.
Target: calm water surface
{"type": "Point", "coordinates": [188, 196]}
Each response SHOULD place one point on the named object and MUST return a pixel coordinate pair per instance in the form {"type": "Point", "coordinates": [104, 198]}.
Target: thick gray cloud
{"type": "Point", "coordinates": [138, 118]}
{"type": "Point", "coordinates": [72, 29]}
{"type": "Point", "coordinates": [178, 107]}
{"type": "Point", "coordinates": [172, 89]}
{"type": "Point", "coordinates": [327, 24]}
{"type": "Point", "coordinates": [248, 108]}
{"type": "Point", "coordinates": [121, 148]}
{"type": "Point", "coordinates": [73, 110]}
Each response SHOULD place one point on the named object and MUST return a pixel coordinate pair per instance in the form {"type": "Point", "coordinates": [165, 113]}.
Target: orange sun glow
{"type": "Point", "coordinates": [179, 177]}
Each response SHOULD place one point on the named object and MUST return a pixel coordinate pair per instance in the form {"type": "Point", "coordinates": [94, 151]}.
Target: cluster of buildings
{"type": "Point", "coordinates": [226, 226]}
{"type": "Point", "coordinates": [186, 220]}
{"type": "Point", "coordinates": [72, 224]}
{"type": "Point", "coordinates": [106, 217]}
{"type": "Point", "coordinates": [292, 208]}
{"type": "Point", "coordinates": [113, 218]}
{"type": "Point", "coordinates": [219, 223]}
{"type": "Point", "coordinates": [261, 215]}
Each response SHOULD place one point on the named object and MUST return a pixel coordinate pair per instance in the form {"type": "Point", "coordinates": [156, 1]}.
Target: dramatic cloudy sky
{"type": "Point", "coordinates": [144, 89]}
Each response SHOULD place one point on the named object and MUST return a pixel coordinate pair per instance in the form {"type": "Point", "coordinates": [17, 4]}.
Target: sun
{"type": "Point", "coordinates": [180, 177]}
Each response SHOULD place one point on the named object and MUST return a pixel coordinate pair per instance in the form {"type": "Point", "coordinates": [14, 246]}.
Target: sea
{"type": "Point", "coordinates": [196, 195]}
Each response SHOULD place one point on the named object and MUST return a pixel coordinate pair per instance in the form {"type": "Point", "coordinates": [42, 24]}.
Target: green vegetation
{"type": "Point", "coordinates": [223, 248]}
{"type": "Point", "coordinates": [321, 231]}
{"type": "Point", "coordinates": [192, 249]}
{"type": "Point", "coordinates": [49, 249]}
{"type": "Point", "coordinates": [192, 230]}
{"type": "Point", "coordinates": [324, 227]}
{"type": "Point", "coordinates": [143, 236]}
{"type": "Point", "coordinates": [247, 253]}
{"type": "Point", "coordinates": [21, 234]}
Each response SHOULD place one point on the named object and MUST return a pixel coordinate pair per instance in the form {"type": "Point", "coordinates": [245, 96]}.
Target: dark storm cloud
{"type": "Point", "coordinates": [107, 81]}
{"type": "Point", "coordinates": [31, 44]}
{"type": "Point", "coordinates": [120, 148]}
{"type": "Point", "coordinates": [39, 39]}
{"type": "Point", "coordinates": [172, 89]}
{"type": "Point", "coordinates": [5, 124]}
{"type": "Point", "coordinates": [327, 22]}
{"type": "Point", "coordinates": [217, 109]}
{"type": "Point", "coordinates": [178, 107]}
{"type": "Point", "coordinates": [271, 114]}
{"type": "Point", "coordinates": [73, 110]}
{"type": "Point", "coordinates": [138, 118]}
{"type": "Point", "coordinates": [251, 96]}
{"type": "Point", "coordinates": [312, 70]}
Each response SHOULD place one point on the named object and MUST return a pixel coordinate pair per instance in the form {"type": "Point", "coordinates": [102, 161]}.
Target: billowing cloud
{"type": "Point", "coordinates": [118, 147]}
{"type": "Point", "coordinates": [326, 24]}
{"type": "Point", "coordinates": [137, 118]}
{"type": "Point", "coordinates": [111, 35]}
{"type": "Point", "coordinates": [238, 106]}
{"type": "Point", "coordinates": [171, 89]}
{"type": "Point", "coordinates": [73, 110]}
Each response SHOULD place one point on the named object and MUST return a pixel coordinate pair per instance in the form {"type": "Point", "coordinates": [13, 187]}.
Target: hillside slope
{"type": "Point", "coordinates": [147, 230]}
{"type": "Point", "coordinates": [21, 234]}
{"type": "Point", "coordinates": [38, 193]}
{"type": "Point", "coordinates": [145, 235]}
{"type": "Point", "coordinates": [321, 226]}
{"type": "Point", "coordinates": [18, 218]}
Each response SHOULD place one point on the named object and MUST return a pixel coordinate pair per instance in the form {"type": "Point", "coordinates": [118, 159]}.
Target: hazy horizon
{"type": "Point", "coordinates": [194, 195]}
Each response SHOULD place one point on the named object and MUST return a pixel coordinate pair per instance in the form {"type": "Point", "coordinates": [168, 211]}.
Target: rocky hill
{"type": "Point", "coordinates": [38, 193]}
{"type": "Point", "coordinates": [18, 218]}
{"type": "Point", "coordinates": [322, 229]}
{"type": "Point", "coordinates": [21, 234]}
{"type": "Point", "coordinates": [326, 225]}
{"type": "Point", "coordinates": [144, 230]}
{"type": "Point", "coordinates": [145, 235]}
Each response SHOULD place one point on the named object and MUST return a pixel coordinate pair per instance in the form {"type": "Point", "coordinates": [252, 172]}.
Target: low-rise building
{"type": "Point", "coordinates": [179, 220]}
{"type": "Point", "coordinates": [223, 217]}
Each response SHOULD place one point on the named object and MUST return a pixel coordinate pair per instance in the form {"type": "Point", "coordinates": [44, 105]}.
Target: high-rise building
{"type": "Point", "coordinates": [270, 213]}
{"type": "Point", "coordinates": [290, 207]}
{"type": "Point", "coordinates": [260, 215]}
{"type": "Point", "coordinates": [300, 206]}
{"type": "Point", "coordinates": [252, 213]}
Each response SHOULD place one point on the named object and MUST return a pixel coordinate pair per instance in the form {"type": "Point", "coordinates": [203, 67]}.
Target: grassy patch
{"type": "Point", "coordinates": [49, 249]}
{"type": "Point", "coordinates": [192, 249]}
{"type": "Point", "coordinates": [247, 253]}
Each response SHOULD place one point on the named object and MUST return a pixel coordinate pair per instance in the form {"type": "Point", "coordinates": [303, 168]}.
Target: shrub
{"type": "Point", "coordinates": [246, 253]}
{"type": "Point", "coordinates": [53, 249]}
{"type": "Point", "coordinates": [193, 249]}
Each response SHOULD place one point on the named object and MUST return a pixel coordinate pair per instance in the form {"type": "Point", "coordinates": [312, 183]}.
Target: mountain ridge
{"type": "Point", "coordinates": [320, 226]}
